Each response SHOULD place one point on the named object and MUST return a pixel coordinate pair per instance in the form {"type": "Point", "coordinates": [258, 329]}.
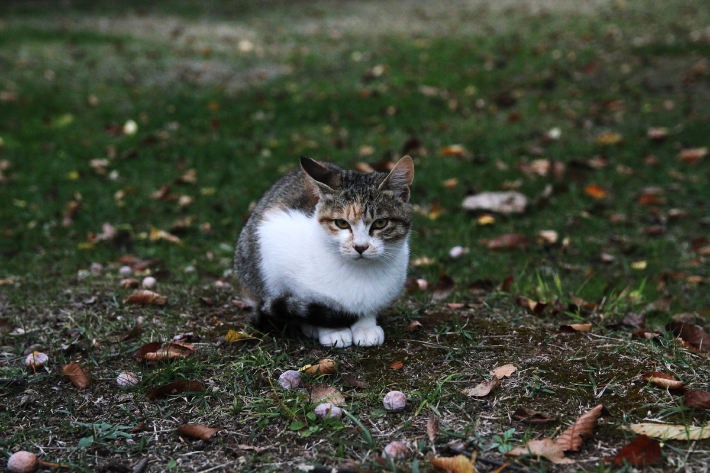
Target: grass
{"type": "Point", "coordinates": [237, 91]}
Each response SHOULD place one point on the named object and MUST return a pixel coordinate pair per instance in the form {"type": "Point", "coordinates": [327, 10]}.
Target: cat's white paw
{"type": "Point", "coordinates": [368, 336]}
{"type": "Point", "coordinates": [339, 338]}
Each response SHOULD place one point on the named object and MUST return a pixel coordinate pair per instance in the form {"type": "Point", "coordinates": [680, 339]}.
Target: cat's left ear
{"type": "Point", "coordinates": [325, 176]}
{"type": "Point", "coordinates": [400, 178]}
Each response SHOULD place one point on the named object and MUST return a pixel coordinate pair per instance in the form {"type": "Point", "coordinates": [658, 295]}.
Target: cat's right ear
{"type": "Point", "coordinates": [324, 176]}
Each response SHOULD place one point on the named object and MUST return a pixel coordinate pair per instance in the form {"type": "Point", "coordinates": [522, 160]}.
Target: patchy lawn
{"type": "Point", "coordinates": [133, 139]}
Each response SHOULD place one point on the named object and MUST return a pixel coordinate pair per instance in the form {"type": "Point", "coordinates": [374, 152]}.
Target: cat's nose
{"type": "Point", "coordinates": [361, 249]}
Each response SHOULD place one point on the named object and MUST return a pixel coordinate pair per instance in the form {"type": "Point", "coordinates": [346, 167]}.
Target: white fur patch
{"type": "Point", "coordinates": [299, 257]}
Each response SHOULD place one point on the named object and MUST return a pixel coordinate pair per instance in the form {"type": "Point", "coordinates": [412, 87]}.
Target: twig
{"type": "Point", "coordinates": [492, 462]}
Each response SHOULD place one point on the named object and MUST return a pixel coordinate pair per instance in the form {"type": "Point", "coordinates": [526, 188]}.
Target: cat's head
{"type": "Point", "coordinates": [365, 215]}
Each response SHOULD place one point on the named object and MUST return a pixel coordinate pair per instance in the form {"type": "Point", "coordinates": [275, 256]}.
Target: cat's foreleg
{"type": "Point", "coordinates": [366, 332]}
{"type": "Point", "coordinates": [309, 330]}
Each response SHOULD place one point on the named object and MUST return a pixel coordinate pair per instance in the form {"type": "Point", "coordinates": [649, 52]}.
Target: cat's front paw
{"type": "Point", "coordinates": [368, 336]}
{"type": "Point", "coordinates": [339, 338]}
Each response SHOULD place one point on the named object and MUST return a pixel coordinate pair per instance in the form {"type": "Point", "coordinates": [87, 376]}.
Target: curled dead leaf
{"type": "Point", "coordinates": [351, 380]}
{"type": "Point", "coordinates": [545, 448]}
{"type": "Point", "coordinates": [503, 371]}
{"type": "Point", "coordinates": [692, 155]}
{"type": "Point", "coordinates": [444, 287]}
{"type": "Point", "coordinates": [596, 191]}
{"type": "Point", "coordinates": [172, 351]}
{"type": "Point", "coordinates": [663, 380]}
{"type": "Point", "coordinates": [532, 416]}
{"type": "Point", "coordinates": [145, 297]}
{"type": "Point", "coordinates": [415, 324]}
{"type": "Point", "coordinates": [324, 366]}
{"type": "Point", "coordinates": [156, 235]}
{"type": "Point", "coordinates": [483, 389]}
{"type": "Point", "coordinates": [397, 365]}
{"type": "Point", "coordinates": [197, 431]}
{"type": "Point", "coordinates": [432, 428]}
{"type": "Point", "coordinates": [535, 307]}
{"type": "Point", "coordinates": [697, 399]}
{"type": "Point", "coordinates": [572, 438]}
{"type": "Point", "coordinates": [572, 328]}
{"type": "Point", "coordinates": [79, 376]}
{"type": "Point", "coordinates": [457, 464]}
{"type": "Point", "coordinates": [509, 241]}
{"type": "Point", "coordinates": [329, 394]}
{"type": "Point", "coordinates": [642, 450]}
{"type": "Point", "coordinates": [691, 333]}
{"type": "Point", "coordinates": [178, 387]}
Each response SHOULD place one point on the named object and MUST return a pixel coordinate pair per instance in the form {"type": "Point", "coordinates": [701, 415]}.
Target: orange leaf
{"type": "Point", "coordinates": [663, 380]}
{"type": "Point", "coordinates": [642, 450]}
{"type": "Point", "coordinates": [608, 138]}
{"type": "Point", "coordinates": [452, 150]}
{"type": "Point", "coordinates": [197, 431]}
{"type": "Point", "coordinates": [397, 365]}
{"type": "Point", "coordinates": [572, 438]}
{"type": "Point", "coordinates": [571, 328]}
{"type": "Point", "coordinates": [178, 387]}
{"type": "Point", "coordinates": [77, 374]}
{"type": "Point", "coordinates": [692, 155]}
{"type": "Point", "coordinates": [509, 241]}
{"type": "Point", "coordinates": [457, 464]}
{"type": "Point", "coordinates": [596, 191]}
{"type": "Point", "coordinates": [324, 366]}
{"type": "Point", "coordinates": [145, 297]}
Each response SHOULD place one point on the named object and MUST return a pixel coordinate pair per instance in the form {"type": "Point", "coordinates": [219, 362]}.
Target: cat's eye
{"type": "Point", "coordinates": [340, 223]}
{"type": "Point", "coordinates": [379, 223]}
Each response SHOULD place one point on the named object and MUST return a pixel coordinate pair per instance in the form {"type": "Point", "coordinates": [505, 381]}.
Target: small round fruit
{"type": "Point", "coordinates": [149, 282]}
{"type": "Point", "coordinates": [125, 271]}
{"type": "Point", "coordinates": [394, 400]}
{"type": "Point", "coordinates": [327, 410]}
{"type": "Point", "coordinates": [127, 380]}
{"type": "Point", "coordinates": [36, 359]}
{"type": "Point", "coordinates": [22, 462]}
{"type": "Point", "coordinates": [395, 450]}
{"type": "Point", "coordinates": [290, 379]}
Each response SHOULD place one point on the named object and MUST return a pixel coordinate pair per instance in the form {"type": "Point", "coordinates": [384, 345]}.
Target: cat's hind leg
{"type": "Point", "coordinates": [366, 332]}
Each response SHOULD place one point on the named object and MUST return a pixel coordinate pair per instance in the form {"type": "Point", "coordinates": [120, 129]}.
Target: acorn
{"type": "Point", "coordinates": [22, 462]}
{"type": "Point", "coordinates": [394, 401]}
{"type": "Point", "coordinates": [395, 450]}
{"type": "Point", "coordinates": [149, 282]}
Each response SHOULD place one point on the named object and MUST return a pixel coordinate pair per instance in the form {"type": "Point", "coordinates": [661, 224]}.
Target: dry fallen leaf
{"type": "Point", "coordinates": [77, 374]}
{"type": "Point", "coordinates": [572, 328]}
{"type": "Point", "coordinates": [170, 352]}
{"type": "Point", "coordinates": [693, 334]}
{"type": "Point", "coordinates": [608, 138]}
{"type": "Point", "coordinates": [532, 416]}
{"type": "Point", "coordinates": [642, 450]}
{"type": "Point", "coordinates": [444, 287]}
{"type": "Point", "coordinates": [150, 347]}
{"type": "Point", "coordinates": [453, 150]}
{"type": "Point", "coordinates": [234, 336]}
{"type": "Point", "coordinates": [329, 394]}
{"type": "Point", "coordinates": [457, 464]}
{"type": "Point", "coordinates": [415, 324]}
{"type": "Point", "coordinates": [503, 371]}
{"type": "Point", "coordinates": [397, 365]}
{"type": "Point", "coordinates": [197, 431]}
{"type": "Point", "coordinates": [663, 380]}
{"type": "Point", "coordinates": [156, 235]}
{"type": "Point", "coordinates": [505, 203]}
{"type": "Point", "coordinates": [692, 155]}
{"type": "Point", "coordinates": [542, 448]}
{"type": "Point", "coordinates": [535, 307]}
{"type": "Point", "coordinates": [596, 191]}
{"type": "Point", "coordinates": [697, 399]}
{"type": "Point", "coordinates": [572, 438]}
{"type": "Point", "coordinates": [145, 297]}
{"type": "Point", "coordinates": [509, 241]}
{"type": "Point", "coordinates": [432, 428]}
{"type": "Point", "coordinates": [483, 388]}
{"type": "Point", "coordinates": [178, 387]}
{"type": "Point", "coordinates": [324, 366]}
{"type": "Point", "coordinates": [351, 380]}
{"type": "Point", "coordinates": [672, 432]}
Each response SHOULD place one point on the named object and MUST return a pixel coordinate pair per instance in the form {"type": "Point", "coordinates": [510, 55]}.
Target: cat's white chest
{"type": "Point", "coordinates": [296, 259]}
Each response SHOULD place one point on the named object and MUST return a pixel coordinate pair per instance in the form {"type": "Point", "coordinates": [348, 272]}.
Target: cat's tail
{"type": "Point", "coordinates": [291, 309]}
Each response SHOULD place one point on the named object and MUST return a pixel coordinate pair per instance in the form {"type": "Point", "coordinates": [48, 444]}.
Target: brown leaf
{"type": "Point", "coordinates": [642, 450]}
{"type": "Point", "coordinates": [572, 328]}
{"type": "Point", "coordinates": [693, 334]}
{"type": "Point", "coordinates": [672, 432]}
{"type": "Point", "coordinates": [509, 241]}
{"type": "Point", "coordinates": [457, 464]}
{"type": "Point", "coordinates": [535, 307]}
{"type": "Point", "coordinates": [145, 297]}
{"type": "Point", "coordinates": [208, 301]}
{"type": "Point", "coordinates": [150, 347]}
{"type": "Point", "coordinates": [505, 203]}
{"type": "Point", "coordinates": [397, 365]}
{"type": "Point", "coordinates": [170, 352]}
{"type": "Point", "coordinates": [697, 399]}
{"type": "Point", "coordinates": [542, 448]}
{"type": "Point", "coordinates": [572, 438]}
{"type": "Point", "coordinates": [608, 138]}
{"type": "Point", "coordinates": [130, 283]}
{"type": "Point", "coordinates": [531, 416]}
{"type": "Point", "coordinates": [135, 332]}
{"type": "Point", "coordinates": [645, 333]}
{"type": "Point", "coordinates": [453, 150]}
{"type": "Point", "coordinates": [663, 380]}
{"type": "Point", "coordinates": [178, 387]}
{"type": "Point", "coordinates": [354, 382]}
{"type": "Point", "coordinates": [596, 191]}
{"type": "Point", "coordinates": [197, 431]}
{"type": "Point", "coordinates": [432, 428]}
{"type": "Point", "coordinates": [77, 374]}
{"type": "Point", "coordinates": [503, 371]}
{"type": "Point", "coordinates": [692, 155]}
{"type": "Point", "coordinates": [483, 388]}
{"type": "Point", "coordinates": [324, 366]}
{"type": "Point", "coordinates": [140, 427]}
{"type": "Point", "coordinates": [415, 324]}
{"type": "Point", "coordinates": [329, 394]}
{"type": "Point", "coordinates": [156, 235]}
{"type": "Point", "coordinates": [634, 320]}
{"type": "Point", "coordinates": [444, 287]}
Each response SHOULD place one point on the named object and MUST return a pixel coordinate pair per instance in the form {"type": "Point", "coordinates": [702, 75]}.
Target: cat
{"type": "Point", "coordinates": [326, 249]}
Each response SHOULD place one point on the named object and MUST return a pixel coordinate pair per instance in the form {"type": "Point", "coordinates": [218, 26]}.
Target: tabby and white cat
{"type": "Point", "coordinates": [327, 249]}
